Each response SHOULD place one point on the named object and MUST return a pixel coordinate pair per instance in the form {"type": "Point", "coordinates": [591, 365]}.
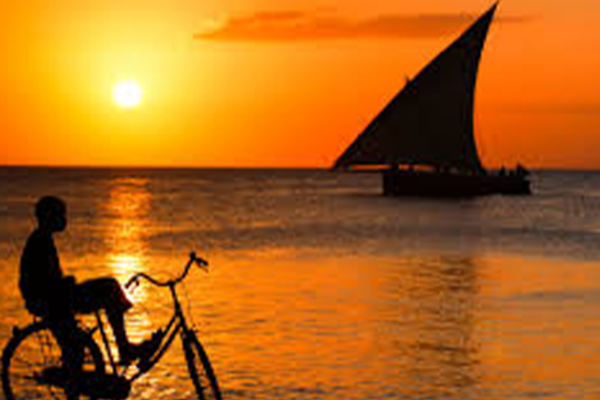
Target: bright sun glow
{"type": "Point", "coordinates": [127, 94]}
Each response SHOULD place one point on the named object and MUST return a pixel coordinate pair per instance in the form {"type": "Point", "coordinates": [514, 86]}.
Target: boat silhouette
{"type": "Point", "coordinates": [423, 141]}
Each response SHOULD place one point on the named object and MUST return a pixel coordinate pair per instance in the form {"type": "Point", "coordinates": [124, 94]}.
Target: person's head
{"type": "Point", "coordinates": [51, 213]}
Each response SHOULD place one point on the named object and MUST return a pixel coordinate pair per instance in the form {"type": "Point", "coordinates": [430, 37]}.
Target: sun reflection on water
{"type": "Point", "coordinates": [128, 207]}
{"type": "Point", "coordinates": [129, 210]}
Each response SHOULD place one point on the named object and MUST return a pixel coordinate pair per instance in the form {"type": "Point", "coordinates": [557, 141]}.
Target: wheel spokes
{"type": "Point", "coordinates": [34, 369]}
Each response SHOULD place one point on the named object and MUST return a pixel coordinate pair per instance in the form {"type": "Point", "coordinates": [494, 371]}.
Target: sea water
{"type": "Point", "coordinates": [322, 288]}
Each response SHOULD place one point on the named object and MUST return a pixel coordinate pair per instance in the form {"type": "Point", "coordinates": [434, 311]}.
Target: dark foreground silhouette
{"type": "Point", "coordinates": [49, 294]}
{"type": "Point", "coordinates": [55, 355]}
{"type": "Point", "coordinates": [57, 298]}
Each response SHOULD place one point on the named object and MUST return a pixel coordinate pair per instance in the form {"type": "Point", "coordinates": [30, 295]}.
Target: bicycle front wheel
{"type": "Point", "coordinates": [201, 371]}
{"type": "Point", "coordinates": [32, 365]}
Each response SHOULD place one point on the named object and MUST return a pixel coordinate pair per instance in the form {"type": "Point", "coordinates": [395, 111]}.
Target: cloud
{"type": "Point", "coordinates": [299, 25]}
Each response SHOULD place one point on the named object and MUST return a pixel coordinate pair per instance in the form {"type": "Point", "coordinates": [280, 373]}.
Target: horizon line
{"type": "Point", "coordinates": [266, 167]}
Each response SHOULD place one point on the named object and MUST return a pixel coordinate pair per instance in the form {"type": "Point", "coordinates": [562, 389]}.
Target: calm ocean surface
{"type": "Point", "coordinates": [321, 288]}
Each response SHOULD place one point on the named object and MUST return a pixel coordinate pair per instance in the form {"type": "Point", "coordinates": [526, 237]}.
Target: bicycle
{"type": "Point", "coordinates": [32, 366]}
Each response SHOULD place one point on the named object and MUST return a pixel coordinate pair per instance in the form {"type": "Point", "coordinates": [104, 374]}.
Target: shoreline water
{"type": "Point", "coordinates": [323, 289]}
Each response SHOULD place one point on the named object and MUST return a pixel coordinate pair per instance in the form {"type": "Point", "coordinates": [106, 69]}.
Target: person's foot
{"type": "Point", "coordinates": [142, 352]}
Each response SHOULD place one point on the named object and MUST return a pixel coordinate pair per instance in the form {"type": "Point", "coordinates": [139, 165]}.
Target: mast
{"type": "Point", "coordinates": [430, 122]}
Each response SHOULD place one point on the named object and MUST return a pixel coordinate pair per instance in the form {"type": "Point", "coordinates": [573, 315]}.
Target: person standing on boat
{"type": "Point", "coordinates": [521, 170]}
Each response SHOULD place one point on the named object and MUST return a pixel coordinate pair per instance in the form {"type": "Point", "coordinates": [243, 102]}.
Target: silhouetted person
{"type": "Point", "coordinates": [57, 298]}
{"type": "Point", "coordinates": [521, 171]}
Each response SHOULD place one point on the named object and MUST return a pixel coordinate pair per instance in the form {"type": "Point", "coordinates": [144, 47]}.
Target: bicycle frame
{"type": "Point", "coordinates": [177, 323]}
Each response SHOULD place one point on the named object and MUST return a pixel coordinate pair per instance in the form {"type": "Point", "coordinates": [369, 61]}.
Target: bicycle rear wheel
{"type": "Point", "coordinates": [32, 366]}
{"type": "Point", "coordinates": [201, 371]}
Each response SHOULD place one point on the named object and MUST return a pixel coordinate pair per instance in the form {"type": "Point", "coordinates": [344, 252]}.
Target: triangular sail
{"type": "Point", "coordinates": [430, 122]}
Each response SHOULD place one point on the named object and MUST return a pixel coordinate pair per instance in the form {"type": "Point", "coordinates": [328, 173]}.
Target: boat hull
{"type": "Point", "coordinates": [430, 184]}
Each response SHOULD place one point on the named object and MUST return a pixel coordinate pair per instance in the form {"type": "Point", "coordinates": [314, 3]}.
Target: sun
{"type": "Point", "coordinates": [127, 94]}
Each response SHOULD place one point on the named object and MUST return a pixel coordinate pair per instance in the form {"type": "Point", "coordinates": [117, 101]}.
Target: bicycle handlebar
{"type": "Point", "coordinates": [194, 259]}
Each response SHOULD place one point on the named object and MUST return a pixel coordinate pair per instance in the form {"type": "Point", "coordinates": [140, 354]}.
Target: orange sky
{"type": "Point", "coordinates": [252, 92]}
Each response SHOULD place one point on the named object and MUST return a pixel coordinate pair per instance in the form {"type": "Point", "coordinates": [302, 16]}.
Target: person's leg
{"type": "Point", "coordinates": [117, 322]}
{"type": "Point", "coordinates": [105, 294]}
{"type": "Point", "coordinates": [65, 330]}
